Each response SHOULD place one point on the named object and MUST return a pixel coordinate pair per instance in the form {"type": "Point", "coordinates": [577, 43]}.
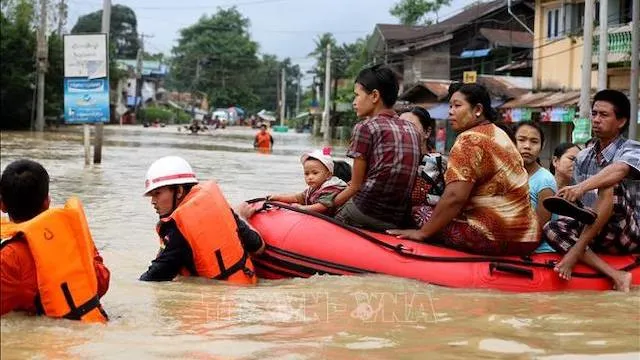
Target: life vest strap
{"type": "Point", "coordinates": [38, 304]}
{"type": "Point", "coordinates": [77, 312]}
{"type": "Point", "coordinates": [240, 265]}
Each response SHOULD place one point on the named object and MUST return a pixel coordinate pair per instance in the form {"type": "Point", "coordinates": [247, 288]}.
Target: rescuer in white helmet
{"type": "Point", "coordinates": [200, 234]}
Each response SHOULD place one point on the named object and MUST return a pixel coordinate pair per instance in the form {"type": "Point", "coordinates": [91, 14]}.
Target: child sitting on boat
{"type": "Point", "coordinates": [322, 185]}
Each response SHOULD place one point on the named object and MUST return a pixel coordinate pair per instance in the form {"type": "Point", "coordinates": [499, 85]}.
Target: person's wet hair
{"type": "Point", "coordinates": [620, 102]}
{"type": "Point", "coordinates": [342, 170]}
{"type": "Point", "coordinates": [24, 187]}
{"type": "Point", "coordinates": [535, 126]}
{"type": "Point", "coordinates": [560, 150]}
{"type": "Point", "coordinates": [383, 79]}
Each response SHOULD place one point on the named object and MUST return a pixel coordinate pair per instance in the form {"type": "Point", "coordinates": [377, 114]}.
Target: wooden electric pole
{"type": "Point", "coordinates": [42, 55]}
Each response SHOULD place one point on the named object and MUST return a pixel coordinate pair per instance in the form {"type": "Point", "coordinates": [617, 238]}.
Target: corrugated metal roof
{"type": "Point", "coordinates": [524, 99]}
{"type": "Point", "coordinates": [556, 99]}
{"type": "Point", "coordinates": [549, 99]}
{"type": "Point", "coordinates": [394, 32]}
{"type": "Point", "coordinates": [544, 99]}
{"type": "Point", "coordinates": [440, 88]}
{"type": "Point", "coordinates": [506, 87]}
{"type": "Point", "coordinates": [508, 38]}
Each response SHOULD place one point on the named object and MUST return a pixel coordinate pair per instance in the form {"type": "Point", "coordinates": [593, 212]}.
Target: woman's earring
{"type": "Point", "coordinates": [477, 114]}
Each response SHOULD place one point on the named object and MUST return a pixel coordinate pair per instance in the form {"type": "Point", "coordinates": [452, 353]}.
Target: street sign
{"type": "Point", "coordinates": [581, 131]}
{"type": "Point", "coordinates": [86, 79]}
{"type": "Point", "coordinates": [86, 101]}
{"type": "Point", "coordinates": [469, 77]}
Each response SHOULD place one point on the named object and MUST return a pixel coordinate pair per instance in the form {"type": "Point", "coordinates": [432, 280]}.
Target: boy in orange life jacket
{"type": "Point", "coordinates": [24, 191]}
{"type": "Point", "coordinates": [263, 140]}
{"type": "Point", "coordinates": [199, 233]}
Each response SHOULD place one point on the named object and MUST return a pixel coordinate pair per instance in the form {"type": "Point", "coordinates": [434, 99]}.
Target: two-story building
{"type": "Point", "coordinates": [559, 44]}
{"type": "Point", "coordinates": [490, 38]}
{"type": "Point", "coordinates": [557, 63]}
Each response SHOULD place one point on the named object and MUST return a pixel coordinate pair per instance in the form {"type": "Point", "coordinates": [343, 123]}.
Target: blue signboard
{"type": "Point", "coordinates": [86, 101]}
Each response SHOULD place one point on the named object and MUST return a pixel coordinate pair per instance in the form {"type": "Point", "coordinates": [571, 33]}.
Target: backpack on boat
{"type": "Point", "coordinates": [431, 170]}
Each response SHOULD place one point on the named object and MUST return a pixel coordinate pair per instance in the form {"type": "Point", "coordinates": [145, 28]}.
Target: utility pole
{"type": "Point", "coordinates": [139, 68]}
{"type": "Point", "coordinates": [139, 58]}
{"type": "Point", "coordinates": [283, 96]}
{"type": "Point", "coordinates": [42, 55]}
{"type": "Point", "coordinates": [62, 17]}
{"type": "Point", "coordinates": [298, 96]}
{"type": "Point", "coordinates": [326, 126]}
{"type": "Point", "coordinates": [585, 90]}
{"type": "Point", "coordinates": [106, 27]}
{"type": "Point", "coordinates": [635, 67]}
{"type": "Point", "coordinates": [603, 45]}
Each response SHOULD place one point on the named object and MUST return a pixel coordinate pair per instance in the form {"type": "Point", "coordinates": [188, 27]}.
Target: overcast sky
{"type": "Point", "coordinates": [286, 28]}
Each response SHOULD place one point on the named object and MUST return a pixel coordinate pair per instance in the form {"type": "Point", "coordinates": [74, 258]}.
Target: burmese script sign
{"type": "Point", "coordinates": [85, 56]}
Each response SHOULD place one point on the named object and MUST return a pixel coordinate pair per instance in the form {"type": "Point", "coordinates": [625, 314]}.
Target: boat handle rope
{"type": "Point", "coordinates": [405, 251]}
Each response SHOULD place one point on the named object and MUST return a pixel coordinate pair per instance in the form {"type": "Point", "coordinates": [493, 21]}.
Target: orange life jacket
{"type": "Point", "coordinates": [60, 242]}
{"type": "Point", "coordinates": [205, 220]}
{"type": "Point", "coordinates": [263, 141]}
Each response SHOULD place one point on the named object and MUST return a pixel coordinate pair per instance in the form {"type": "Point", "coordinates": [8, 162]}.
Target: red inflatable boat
{"type": "Point", "coordinates": [301, 245]}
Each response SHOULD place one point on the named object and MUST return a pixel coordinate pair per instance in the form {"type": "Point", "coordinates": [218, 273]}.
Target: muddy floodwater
{"type": "Point", "coordinates": [324, 317]}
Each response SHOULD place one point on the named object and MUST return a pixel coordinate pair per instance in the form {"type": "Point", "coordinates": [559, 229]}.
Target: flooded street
{"type": "Point", "coordinates": [372, 317]}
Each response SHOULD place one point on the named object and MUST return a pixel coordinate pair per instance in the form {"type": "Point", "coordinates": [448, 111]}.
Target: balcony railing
{"type": "Point", "coordinates": [618, 43]}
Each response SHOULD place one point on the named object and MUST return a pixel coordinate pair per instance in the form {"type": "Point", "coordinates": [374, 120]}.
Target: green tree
{"type": "Point", "coordinates": [346, 62]}
{"type": "Point", "coordinates": [410, 12]}
{"type": "Point", "coordinates": [54, 95]}
{"type": "Point", "coordinates": [17, 68]}
{"type": "Point", "coordinates": [320, 53]}
{"type": "Point", "coordinates": [265, 84]}
{"type": "Point", "coordinates": [292, 75]}
{"type": "Point", "coordinates": [217, 56]}
{"type": "Point", "coordinates": [156, 57]}
{"type": "Point", "coordinates": [123, 31]}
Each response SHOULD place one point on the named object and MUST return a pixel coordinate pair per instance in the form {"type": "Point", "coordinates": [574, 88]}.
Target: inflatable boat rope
{"type": "Point", "coordinates": [516, 267]}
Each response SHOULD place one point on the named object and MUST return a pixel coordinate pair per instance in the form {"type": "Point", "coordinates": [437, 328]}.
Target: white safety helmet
{"type": "Point", "coordinates": [169, 170]}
